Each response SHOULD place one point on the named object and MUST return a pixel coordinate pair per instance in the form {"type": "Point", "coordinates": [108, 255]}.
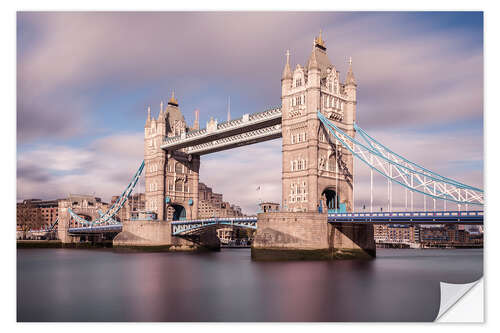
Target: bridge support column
{"type": "Point", "coordinates": [157, 235]}
{"type": "Point", "coordinates": [63, 223]}
{"type": "Point", "coordinates": [287, 235]}
{"type": "Point", "coordinates": [351, 241]}
{"type": "Point", "coordinates": [306, 235]}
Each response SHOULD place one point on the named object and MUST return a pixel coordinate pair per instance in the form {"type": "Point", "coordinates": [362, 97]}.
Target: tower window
{"type": "Point", "coordinates": [178, 168]}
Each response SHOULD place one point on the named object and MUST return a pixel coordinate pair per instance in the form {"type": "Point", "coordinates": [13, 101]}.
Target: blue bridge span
{"type": "Point", "coordinates": [180, 228]}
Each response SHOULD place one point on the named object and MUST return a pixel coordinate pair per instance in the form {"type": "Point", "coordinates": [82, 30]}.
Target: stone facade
{"type": "Point", "coordinates": [86, 206]}
{"type": "Point", "coordinates": [308, 235]}
{"type": "Point", "coordinates": [158, 235]}
{"type": "Point", "coordinates": [171, 178]}
{"type": "Point", "coordinates": [36, 213]}
{"type": "Point", "coordinates": [136, 203]}
{"type": "Point", "coordinates": [266, 207]}
{"type": "Point", "coordinates": [312, 163]}
{"type": "Point", "coordinates": [211, 204]}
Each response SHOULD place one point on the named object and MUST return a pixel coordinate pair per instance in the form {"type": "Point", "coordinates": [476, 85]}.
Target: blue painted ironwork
{"type": "Point", "coordinates": [377, 145]}
{"type": "Point", "coordinates": [379, 158]}
{"type": "Point", "coordinates": [96, 229]}
{"type": "Point", "coordinates": [440, 217]}
{"type": "Point", "coordinates": [107, 218]}
{"type": "Point", "coordinates": [180, 228]}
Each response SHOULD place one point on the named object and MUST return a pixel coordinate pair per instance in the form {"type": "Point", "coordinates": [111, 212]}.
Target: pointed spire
{"type": "Point", "coordinates": [319, 40]}
{"type": "Point", "coordinates": [196, 124]}
{"type": "Point", "coordinates": [161, 116]}
{"type": "Point", "coordinates": [172, 100]}
{"type": "Point", "coordinates": [287, 73]}
{"type": "Point", "coordinates": [350, 80]}
{"type": "Point", "coordinates": [148, 120]}
{"type": "Point", "coordinates": [228, 108]}
{"type": "Point", "coordinates": [313, 61]}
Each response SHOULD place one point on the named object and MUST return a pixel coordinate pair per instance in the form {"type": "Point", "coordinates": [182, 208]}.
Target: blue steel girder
{"type": "Point", "coordinates": [432, 218]}
{"type": "Point", "coordinates": [96, 229]}
{"type": "Point", "coordinates": [186, 227]}
{"type": "Point", "coordinates": [107, 218]}
{"type": "Point", "coordinates": [407, 174]}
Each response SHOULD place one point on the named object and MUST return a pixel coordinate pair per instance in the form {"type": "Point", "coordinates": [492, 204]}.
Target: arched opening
{"type": "Point", "coordinates": [179, 213]}
{"type": "Point", "coordinates": [332, 200]}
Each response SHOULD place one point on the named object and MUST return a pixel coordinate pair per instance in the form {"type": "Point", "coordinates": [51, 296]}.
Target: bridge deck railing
{"type": "Point", "coordinates": [409, 214]}
{"type": "Point", "coordinates": [228, 125]}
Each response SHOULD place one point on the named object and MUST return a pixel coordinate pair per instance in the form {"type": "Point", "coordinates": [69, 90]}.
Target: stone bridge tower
{"type": "Point", "coordinates": [171, 177]}
{"type": "Point", "coordinates": [316, 171]}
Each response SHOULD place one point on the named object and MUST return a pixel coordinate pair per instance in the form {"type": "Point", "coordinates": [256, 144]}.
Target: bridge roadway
{"type": "Point", "coordinates": [250, 222]}
{"type": "Point", "coordinates": [249, 129]}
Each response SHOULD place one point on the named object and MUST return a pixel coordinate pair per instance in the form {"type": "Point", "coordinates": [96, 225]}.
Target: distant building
{"type": "Point", "coordinates": [450, 236]}
{"type": "Point", "coordinates": [36, 213]}
{"type": "Point", "coordinates": [267, 207]}
{"type": "Point", "coordinates": [396, 233]}
{"type": "Point", "coordinates": [211, 204]}
{"type": "Point", "coordinates": [428, 235]}
{"type": "Point", "coordinates": [135, 203]}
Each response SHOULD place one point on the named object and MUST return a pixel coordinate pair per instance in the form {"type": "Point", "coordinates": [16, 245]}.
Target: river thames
{"type": "Point", "coordinates": [107, 285]}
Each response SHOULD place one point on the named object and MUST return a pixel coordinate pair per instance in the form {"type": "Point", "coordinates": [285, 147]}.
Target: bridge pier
{"type": "Point", "coordinates": [309, 236]}
{"type": "Point", "coordinates": [351, 241]}
{"type": "Point", "coordinates": [157, 235]}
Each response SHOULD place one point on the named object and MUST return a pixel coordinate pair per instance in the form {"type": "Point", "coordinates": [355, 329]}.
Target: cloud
{"type": "Point", "coordinates": [54, 172]}
{"type": "Point", "coordinates": [68, 60]}
{"type": "Point", "coordinates": [88, 76]}
{"type": "Point", "coordinates": [238, 172]}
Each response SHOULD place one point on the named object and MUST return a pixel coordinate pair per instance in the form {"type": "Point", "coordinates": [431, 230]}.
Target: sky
{"type": "Point", "coordinates": [85, 80]}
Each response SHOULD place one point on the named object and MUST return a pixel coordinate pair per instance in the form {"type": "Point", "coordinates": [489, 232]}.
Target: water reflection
{"type": "Point", "coordinates": [106, 285]}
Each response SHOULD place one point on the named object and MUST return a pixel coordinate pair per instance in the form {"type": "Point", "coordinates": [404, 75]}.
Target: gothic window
{"type": "Point", "coordinates": [178, 168]}
{"type": "Point", "coordinates": [178, 186]}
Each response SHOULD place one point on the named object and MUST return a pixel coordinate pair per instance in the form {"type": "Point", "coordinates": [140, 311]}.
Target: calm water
{"type": "Point", "coordinates": [105, 285]}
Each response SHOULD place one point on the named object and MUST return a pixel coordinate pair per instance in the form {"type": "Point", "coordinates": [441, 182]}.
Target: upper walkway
{"type": "Point", "coordinates": [249, 129]}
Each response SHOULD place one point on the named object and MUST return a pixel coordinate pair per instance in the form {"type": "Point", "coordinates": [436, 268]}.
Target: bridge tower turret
{"type": "Point", "coordinates": [316, 171]}
{"type": "Point", "coordinates": [172, 177]}
{"type": "Point", "coordinates": [154, 162]}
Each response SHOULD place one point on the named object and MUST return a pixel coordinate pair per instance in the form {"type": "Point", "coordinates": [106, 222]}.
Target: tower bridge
{"type": "Point", "coordinates": [317, 124]}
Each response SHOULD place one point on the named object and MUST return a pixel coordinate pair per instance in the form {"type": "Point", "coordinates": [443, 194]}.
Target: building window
{"type": "Point", "coordinates": [178, 168]}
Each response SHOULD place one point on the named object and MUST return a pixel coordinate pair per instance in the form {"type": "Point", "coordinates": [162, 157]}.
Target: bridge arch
{"type": "Point", "coordinates": [331, 199]}
{"type": "Point", "coordinates": [178, 212]}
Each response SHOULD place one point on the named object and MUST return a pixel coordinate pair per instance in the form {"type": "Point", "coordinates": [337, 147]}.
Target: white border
{"type": "Point", "coordinates": [492, 109]}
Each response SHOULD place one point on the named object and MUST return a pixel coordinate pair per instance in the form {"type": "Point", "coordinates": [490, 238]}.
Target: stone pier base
{"type": "Point", "coordinates": [157, 235]}
{"type": "Point", "coordinates": [308, 236]}
{"type": "Point", "coordinates": [351, 241]}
